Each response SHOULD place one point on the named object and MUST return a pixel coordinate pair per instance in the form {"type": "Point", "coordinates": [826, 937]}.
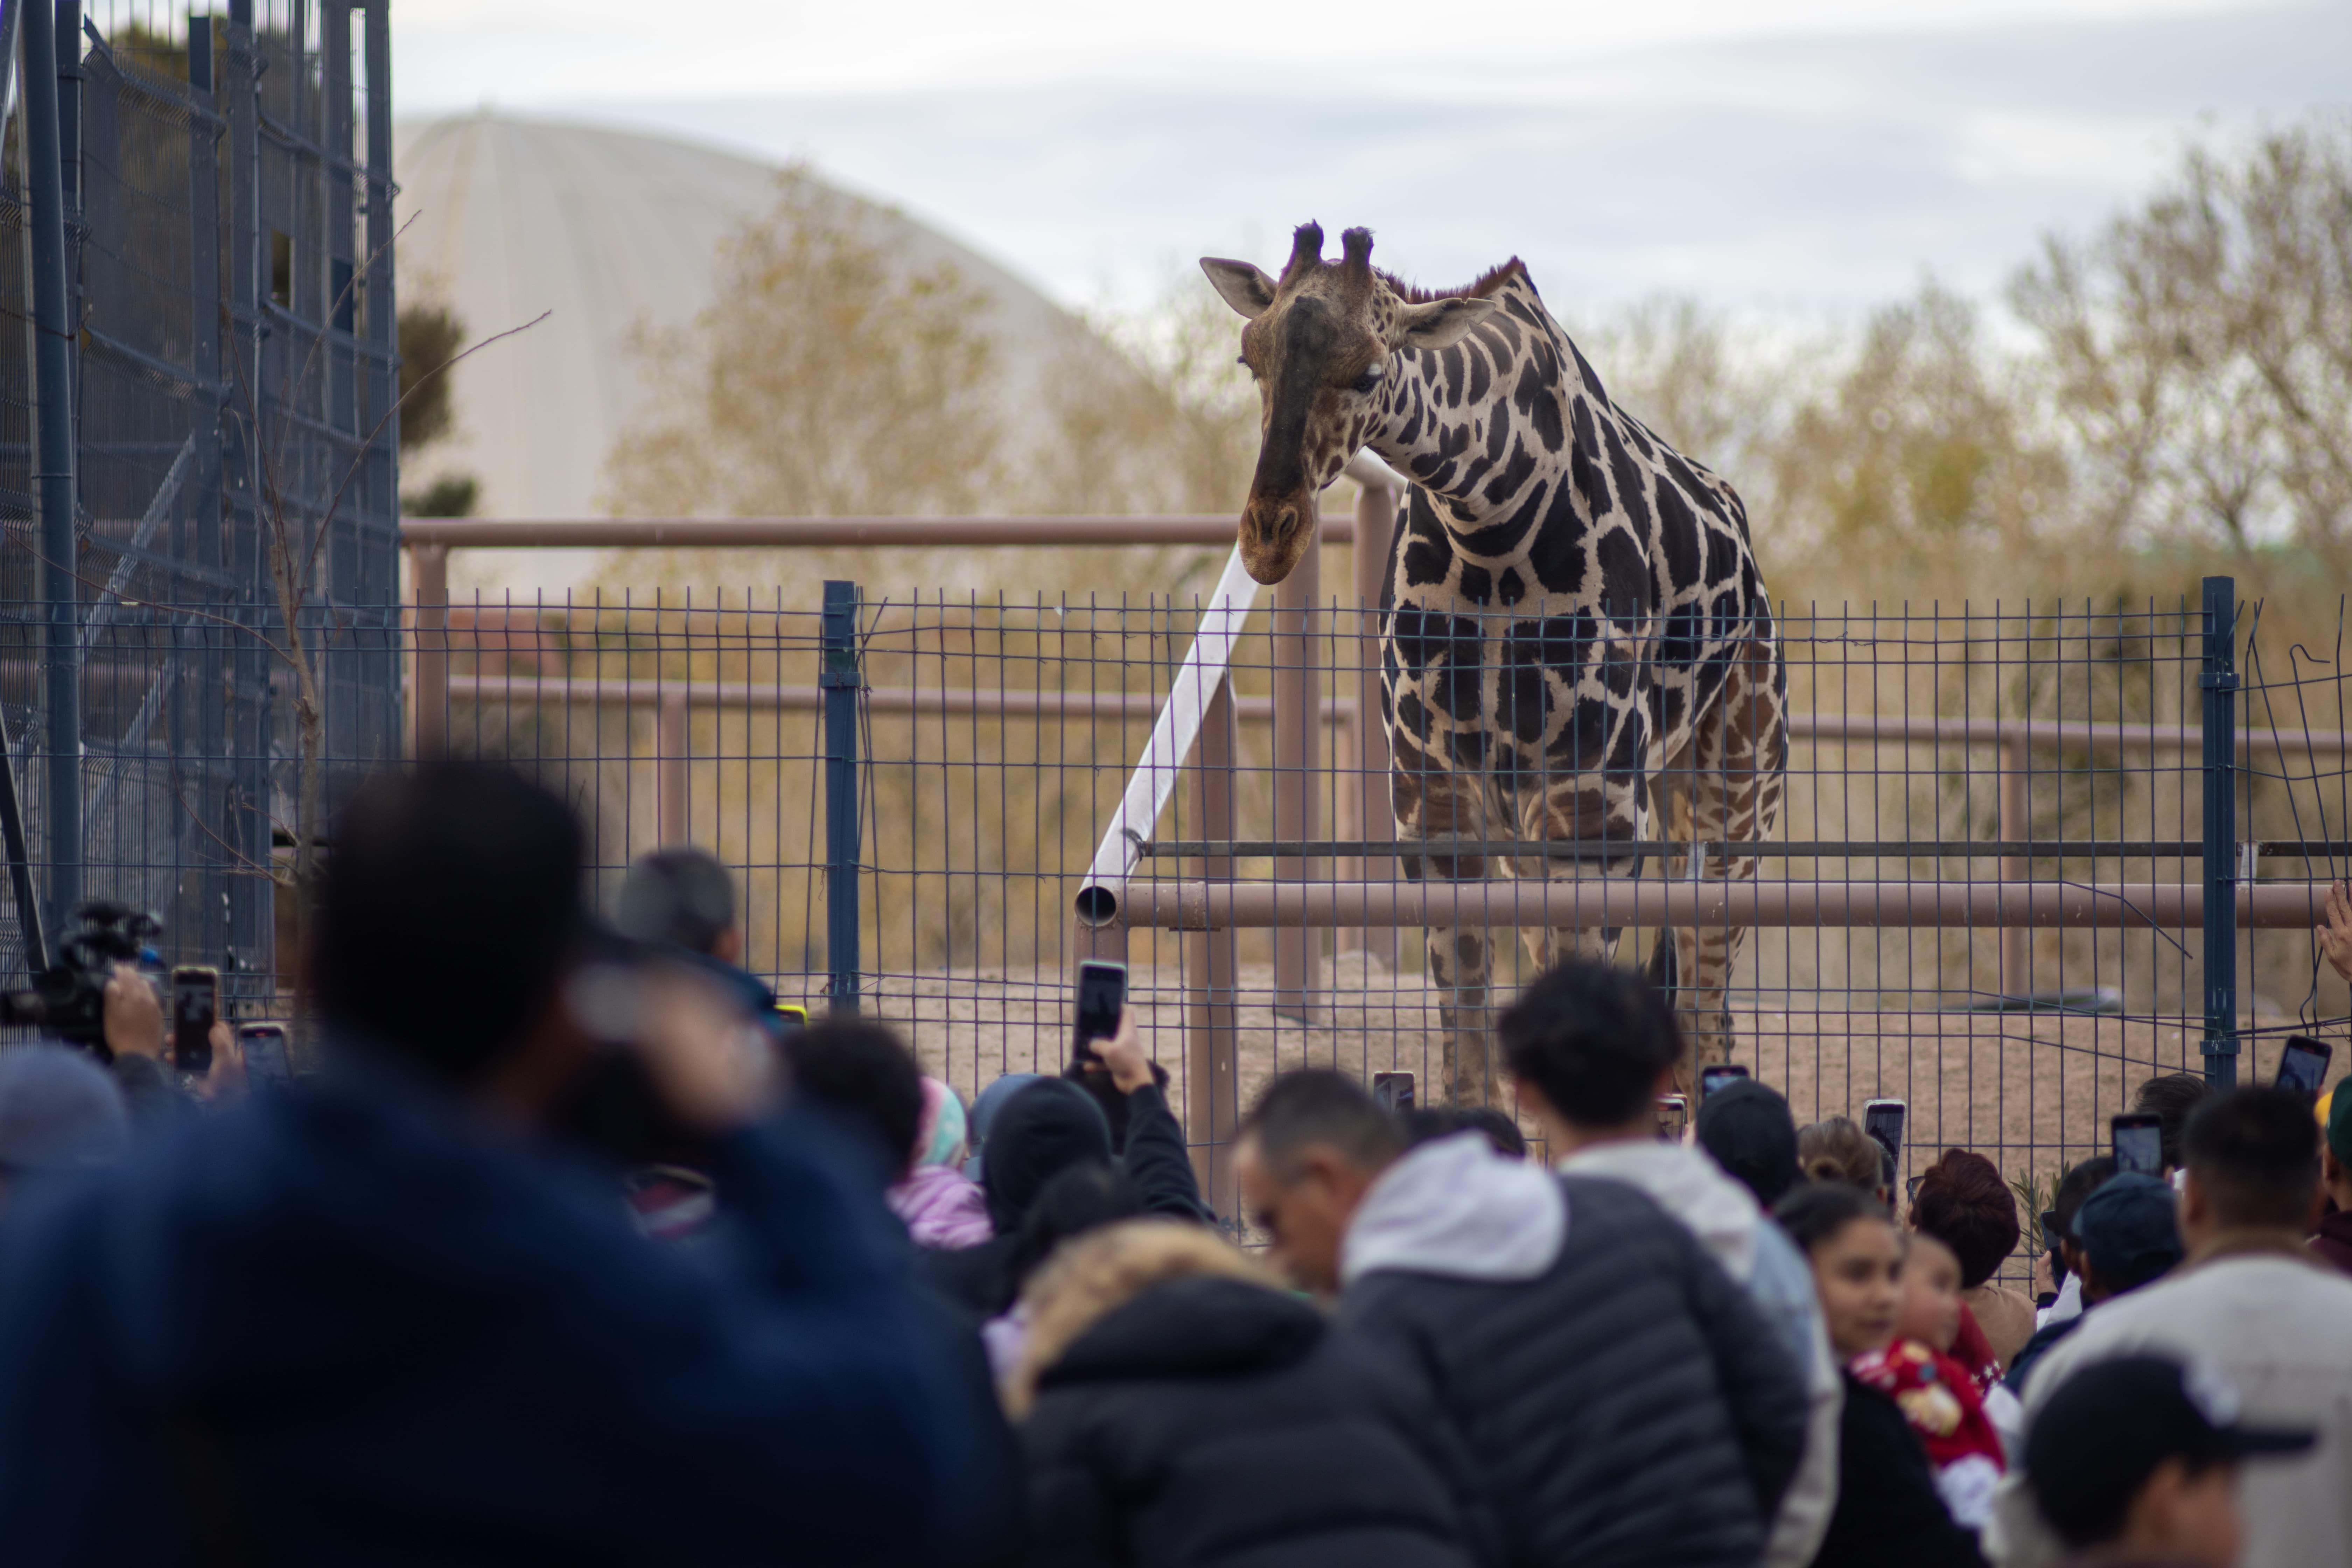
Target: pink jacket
{"type": "Point", "coordinates": [942, 1208]}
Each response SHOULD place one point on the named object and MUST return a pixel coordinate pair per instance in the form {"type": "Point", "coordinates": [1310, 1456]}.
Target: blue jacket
{"type": "Point", "coordinates": [351, 1324]}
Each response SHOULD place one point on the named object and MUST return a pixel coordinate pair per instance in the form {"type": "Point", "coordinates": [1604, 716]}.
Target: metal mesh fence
{"type": "Point", "coordinates": [1982, 894]}
{"type": "Point", "coordinates": [229, 388]}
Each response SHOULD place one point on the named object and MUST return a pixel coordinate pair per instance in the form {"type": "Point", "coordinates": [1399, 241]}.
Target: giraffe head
{"type": "Point", "coordinates": [1320, 342]}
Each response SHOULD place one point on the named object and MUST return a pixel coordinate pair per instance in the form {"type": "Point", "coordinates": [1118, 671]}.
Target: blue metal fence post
{"type": "Point", "coordinates": [2218, 683]}
{"type": "Point", "coordinates": [840, 680]}
{"type": "Point", "coordinates": [53, 460]}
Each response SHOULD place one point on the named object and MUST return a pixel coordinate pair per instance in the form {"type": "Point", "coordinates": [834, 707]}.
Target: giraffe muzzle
{"type": "Point", "coordinates": [1274, 535]}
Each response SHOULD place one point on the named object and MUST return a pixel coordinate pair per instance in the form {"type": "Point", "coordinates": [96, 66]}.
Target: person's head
{"type": "Point", "coordinates": [1046, 1127]}
{"type": "Point", "coordinates": [2335, 1148]}
{"type": "Point", "coordinates": [59, 1110]}
{"type": "Point", "coordinates": [1427, 1123]}
{"type": "Point", "coordinates": [2082, 1179]}
{"type": "Point", "coordinates": [2125, 1235]}
{"type": "Point", "coordinates": [993, 1098]}
{"type": "Point", "coordinates": [2137, 1458]}
{"type": "Point", "coordinates": [1080, 1198]}
{"type": "Point", "coordinates": [1837, 1149]}
{"type": "Point", "coordinates": [1592, 1046]}
{"type": "Point", "coordinates": [942, 1137]}
{"type": "Point", "coordinates": [2253, 1156]}
{"type": "Point", "coordinates": [1746, 1127]}
{"type": "Point", "coordinates": [2170, 1098]}
{"type": "Point", "coordinates": [1931, 1293]}
{"type": "Point", "coordinates": [860, 1069]}
{"type": "Point", "coordinates": [1963, 1202]}
{"type": "Point", "coordinates": [449, 913]}
{"type": "Point", "coordinates": [1857, 1258]}
{"type": "Point", "coordinates": [1309, 1149]}
{"type": "Point", "coordinates": [681, 897]}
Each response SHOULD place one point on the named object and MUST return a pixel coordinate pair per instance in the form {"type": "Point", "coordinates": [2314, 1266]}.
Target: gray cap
{"type": "Point", "coordinates": [680, 897]}
{"type": "Point", "coordinates": [59, 1110]}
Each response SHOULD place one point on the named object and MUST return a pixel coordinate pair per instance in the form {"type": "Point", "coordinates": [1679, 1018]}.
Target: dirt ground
{"type": "Point", "coordinates": [2031, 1091]}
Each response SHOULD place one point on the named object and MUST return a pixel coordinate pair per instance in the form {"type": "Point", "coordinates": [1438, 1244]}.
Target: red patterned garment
{"type": "Point", "coordinates": [1939, 1399]}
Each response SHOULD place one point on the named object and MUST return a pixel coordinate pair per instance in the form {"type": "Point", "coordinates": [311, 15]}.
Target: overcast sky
{"type": "Point", "coordinates": [1807, 156]}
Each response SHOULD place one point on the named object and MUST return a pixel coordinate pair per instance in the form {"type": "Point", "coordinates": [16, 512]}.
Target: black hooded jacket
{"type": "Point", "coordinates": [1215, 1421]}
{"type": "Point", "coordinates": [1044, 1129]}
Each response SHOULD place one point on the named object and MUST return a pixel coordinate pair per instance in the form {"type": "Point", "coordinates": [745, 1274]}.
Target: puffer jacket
{"type": "Point", "coordinates": [1184, 1417]}
{"type": "Point", "coordinates": [1626, 1402]}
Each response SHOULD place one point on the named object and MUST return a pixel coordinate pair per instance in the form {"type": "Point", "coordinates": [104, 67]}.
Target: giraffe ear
{"type": "Point", "coordinates": [1438, 324]}
{"type": "Point", "coordinates": [1246, 288]}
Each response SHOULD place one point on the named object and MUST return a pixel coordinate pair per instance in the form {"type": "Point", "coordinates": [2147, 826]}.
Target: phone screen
{"type": "Point", "coordinates": [1715, 1078]}
{"type": "Point", "coordinates": [1394, 1090]}
{"type": "Point", "coordinates": [2303, 1065]}
{"type": "Point", "coordinates": [195, 1006]}
{"type": "Point", "coordinates": [1883, 1119]}
{"type": "Point", "coordinates": [1674, 1115]}
{"type": "Point", "coordinates": [1102, 997]}
{"type": "Point", "coordinates": [2138, 1144]}
{"type": "Point", "coordinates": [264, 1046]}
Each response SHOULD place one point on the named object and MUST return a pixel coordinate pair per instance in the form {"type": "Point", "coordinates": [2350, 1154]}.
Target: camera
{"type": "Point", "coordinates": [66, 1001]}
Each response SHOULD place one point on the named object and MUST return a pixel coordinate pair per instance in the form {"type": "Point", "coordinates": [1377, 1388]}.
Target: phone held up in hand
{"type": "Point", "coordinates": [1102, 997]}
{"type": "Point", "coordinates": [1674, 1116]}
{"type": "Point", "coordinates": [2138, 1141]}
{"type": "Point", "coordinates": [2303, 1065]}
{"type": "Point", "coordinates": [1883, 1119]}
{"type": "Point", "coordinates": [1394, 1090]}
{"type": "Point", "coordinates": [195, 1007]}
{"type": "Point", "coordinates": [1717, 1077]}
{"type": "Point", "coordinates": [264, 1049]}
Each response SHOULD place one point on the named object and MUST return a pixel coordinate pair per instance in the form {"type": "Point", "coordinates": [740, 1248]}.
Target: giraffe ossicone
{"type": "Point", "coordinates": [1576, 645]}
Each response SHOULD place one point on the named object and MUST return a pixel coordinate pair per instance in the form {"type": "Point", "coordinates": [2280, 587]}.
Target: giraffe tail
{"type": "Point", "coordinates": [1662, 969]}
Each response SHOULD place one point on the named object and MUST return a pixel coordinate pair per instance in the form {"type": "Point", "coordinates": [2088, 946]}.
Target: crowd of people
{"type": "Point", "coordinates": [575, 1246]}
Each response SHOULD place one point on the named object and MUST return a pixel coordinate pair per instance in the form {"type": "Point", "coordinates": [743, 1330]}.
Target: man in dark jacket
{"type": "Point", "coordinates": [382, 1320]}
{"type": "Point", "coordinates": [1625, 1401]}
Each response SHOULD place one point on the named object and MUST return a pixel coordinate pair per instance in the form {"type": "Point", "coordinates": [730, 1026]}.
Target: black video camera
{"type": "Point", "coordinates": [66, 1001]}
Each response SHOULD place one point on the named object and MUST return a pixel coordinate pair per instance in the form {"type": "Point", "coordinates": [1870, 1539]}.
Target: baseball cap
{"type": "Point", "coordinates": [1746, 1125]}
{"type": "Point", "coordinates": [59, 1110]}
{"type": "Point", "coordinates": [2104, 1430]}
{"type": "Point", "coordinates": [2126, 1227]}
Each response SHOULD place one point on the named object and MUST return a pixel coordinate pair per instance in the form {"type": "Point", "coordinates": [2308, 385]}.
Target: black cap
{"type": "Point", "coordinates": [2127, 1228]}
{"type": "Point", "coordinates": [2108, 1427]}
{"type": "Point", "coordinates": [1746, 1125]}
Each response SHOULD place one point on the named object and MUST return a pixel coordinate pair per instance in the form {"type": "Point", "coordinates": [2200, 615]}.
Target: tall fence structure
{"type": "Point", "coordinates": [198, 474]}
{"type": "Point", "coordinates": [2029, 855]}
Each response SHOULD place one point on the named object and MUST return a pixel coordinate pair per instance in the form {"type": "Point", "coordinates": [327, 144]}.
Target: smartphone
{"type": "Point", "coordinates": [2138, 1142]}
{"type": "Point", "coordinates": [264, 1047]}
{"type": "Point", "coordinates": [2050, 1239]}
{"type": "Point", "coordinates": [1674, 1116]}
{"type": "Point", "coordinates": [1883, 1119]}
{"type": "Point", "coordinates": [2303, 1065]}
{"type": "Point", "coordinates": [195, 1007]}
{"type": "Point", "coordinates": [1715, 1078]}
{"type": "Point", "coordinates": [1102, 997]}
{"type": "Point", "coordinates": [1394, 1090]}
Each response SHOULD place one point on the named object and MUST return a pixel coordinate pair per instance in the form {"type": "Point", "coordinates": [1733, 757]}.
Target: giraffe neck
{"type": "Point", "coordinates": [1492, 426]}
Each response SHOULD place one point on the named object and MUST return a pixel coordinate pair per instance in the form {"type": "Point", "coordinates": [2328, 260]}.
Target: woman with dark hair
{"type": "Point", "coordinates": [1963, 1202]}
{"type": "Point", "coordinates": [1888, 1510]}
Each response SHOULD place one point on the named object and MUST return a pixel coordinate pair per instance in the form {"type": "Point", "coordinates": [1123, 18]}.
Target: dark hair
{"type": "Point", "coordinates": [1746, 1127]}
{"type": "Point", "coordinates": [1315, 1105]}
{"type": "Point", "coordinates": [681, 898]}
{"type": "Point", "coordinates": [2255, 1154]}
{"type": "Point", "coordinates": [1837, 1149]}
{"type": "Point", "coordinates": [2170, 1098]}
{"type": "Point", "coordinates": [1593, 1038]}
{"type": "Point", "coordinates": [1426, 1124]}
{"type": "Point", "coordinates": [1082, 1198]}
{"type": "Point", "coordinates": [1963, 1202]}
{"type": "Point", "coordinates": [449, 909]}
{"type": "Point", "coordinates": [2079, 1182]}
{"type": "Point", "coordinates": [1813, 1212]}
{"type": "Point", "coordinates": [861, 1068]}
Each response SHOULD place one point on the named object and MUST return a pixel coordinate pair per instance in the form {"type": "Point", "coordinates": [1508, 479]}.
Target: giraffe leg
{"type": "Point", "coordinates": [1672, 958]}
{"type": "Point", "coordinates": [1742, 748]}
{"type": "Point", "coordinates": [1432, 804]}
{"type": "Point", "coordinates": [1587, 810]}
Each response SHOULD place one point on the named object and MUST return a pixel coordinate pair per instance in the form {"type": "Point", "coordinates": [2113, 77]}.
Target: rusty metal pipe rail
{"type": "Point", "coordinates": [1191, 905]}
{"type": "Point", "coordinates": [830, 532]}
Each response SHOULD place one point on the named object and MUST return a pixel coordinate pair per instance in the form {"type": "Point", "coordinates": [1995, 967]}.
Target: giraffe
{"type": "Point", "coordinates": [1575, 640]}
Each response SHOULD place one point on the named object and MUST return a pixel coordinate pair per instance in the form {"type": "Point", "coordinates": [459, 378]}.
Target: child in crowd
{"type": "Point", "coordinates": [1935, 1392]}
{"type": "Point", "coordinates": [943, 1206]}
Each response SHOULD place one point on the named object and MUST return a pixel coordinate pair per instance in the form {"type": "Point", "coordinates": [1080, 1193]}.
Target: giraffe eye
{"type": "Point", "coordinates": [1369, 380]}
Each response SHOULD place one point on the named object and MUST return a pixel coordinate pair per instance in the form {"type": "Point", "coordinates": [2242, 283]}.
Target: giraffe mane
{"type": "Point", "coordinates": [1478, 288]}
